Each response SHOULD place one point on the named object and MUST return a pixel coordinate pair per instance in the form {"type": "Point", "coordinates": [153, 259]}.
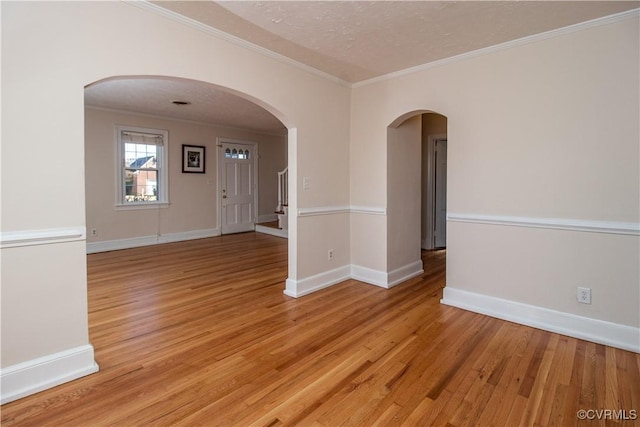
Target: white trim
{"type": "Point", "coordinates": [188, 235]}
{"type": "Point", "coordinates": [12, 239]}
{"type": "Point", "coordinates": [594, 330]}
{"type": "Point", "coordinates": [323, 210]}
{"type": "Point", "coordinates": [45, 372]}
{"type": "Point", "coordinates": [369, 275]}
{"type": "Point", "coordinates": [406, 272]}
{"type": "Point", "coordinates": [158, 10]}
{"type": "Point", "coordinates": [503, 46]}
{"type": "Point", "coordinates": [608, 227]}
{"type": "Point", "coordinates": [298, 288]}
{"type": "Point", "coordinates": [278, 232]}
{"type": "Point", "coordinates": [141, 206]}
{"type": "Point", "coordinates": [333, 210]}
{"type": "Point", "coordinates": [135, 242]}
{"type": "Point", "coordinates": [384, 279]}
{"type": "Point", "coordinates": [369, 210]}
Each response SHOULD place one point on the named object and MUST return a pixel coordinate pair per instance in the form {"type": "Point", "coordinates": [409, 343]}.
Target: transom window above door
{"type": "Point", "coordinates": [237, 154]}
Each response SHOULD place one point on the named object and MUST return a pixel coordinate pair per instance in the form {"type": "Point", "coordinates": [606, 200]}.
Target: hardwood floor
{"type": "Point", "coordinates": [200, 333]}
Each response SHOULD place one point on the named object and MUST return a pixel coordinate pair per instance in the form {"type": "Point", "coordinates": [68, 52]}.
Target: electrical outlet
{"type": "Point", "coordinates": [94, 232]}
{"type": "Point", "coordinates": [306, 183]}
{"type": "Point", "coordinates": [584, 295]}
{"type": "Point", "coordinates": [330, 254]}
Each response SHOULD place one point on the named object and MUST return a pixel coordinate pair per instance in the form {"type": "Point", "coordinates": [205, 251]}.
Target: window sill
{"type": "Point", "coordinates": [143, 205]}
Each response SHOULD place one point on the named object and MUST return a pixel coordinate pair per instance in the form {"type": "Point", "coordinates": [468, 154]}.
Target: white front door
{"type": "Point", "coordinates": [440, 202]}
{"type": "Point", "coordinates": [238, 196]}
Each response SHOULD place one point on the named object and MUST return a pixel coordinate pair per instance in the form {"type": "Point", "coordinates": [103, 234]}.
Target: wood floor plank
{"type": "Point", "coordinates": [200, 333]}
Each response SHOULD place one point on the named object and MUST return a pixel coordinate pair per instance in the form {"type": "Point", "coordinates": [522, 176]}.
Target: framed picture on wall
{"type": "Point", "coordinates": [192, 159]}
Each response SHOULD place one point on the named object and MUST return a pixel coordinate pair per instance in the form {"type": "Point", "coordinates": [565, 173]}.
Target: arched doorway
{"type": "Point", "coordinates": [416, 189]}
{"type": "Point", "coordinates": [190, 113]}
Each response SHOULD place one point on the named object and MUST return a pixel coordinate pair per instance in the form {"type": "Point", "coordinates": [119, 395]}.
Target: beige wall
{"type": "Point", "coordinates": [50, 52]}
{"type": "Point", "coordinates": [193, 197]}
{"type": "Point", "coordinates": [403, 196]}
{"type": "Point", "coordinates": [545, 130]}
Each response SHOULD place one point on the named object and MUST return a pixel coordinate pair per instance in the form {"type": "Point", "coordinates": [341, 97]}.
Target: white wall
{"type": "Point", "coordinates": [51, 51]}
{"type": "Point", "coordinates": [193, 197]}
{"type": "Point", "coordinates": [547, 130]}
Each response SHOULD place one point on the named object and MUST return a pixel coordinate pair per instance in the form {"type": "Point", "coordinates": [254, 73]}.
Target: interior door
{"type": "Point", "coordinates": [440, 202]}
{"type": "Point", "coordinates": [237, 188]}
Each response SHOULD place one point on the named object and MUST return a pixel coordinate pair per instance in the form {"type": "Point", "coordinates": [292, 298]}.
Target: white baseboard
{"type": "Point", "coordinates": [384, 279]}
{"type": "Point", "coordinates": [598, 331]}
{"type": "Point", "coordinates": [278, 232]}
{"type": "Point", "coordinates": [399, 275]}
{"type": "Point", "coordinates": [298, 288]}
{"type": "Point", "coordinates": [45, 372]}
{"type": "Point", "coordinates": [134, 242]}
{"type": "Point", "coordinates": [370, 276]}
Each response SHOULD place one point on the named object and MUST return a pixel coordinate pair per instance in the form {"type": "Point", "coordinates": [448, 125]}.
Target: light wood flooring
{"type": "Point", "coordinates": [200, 333]}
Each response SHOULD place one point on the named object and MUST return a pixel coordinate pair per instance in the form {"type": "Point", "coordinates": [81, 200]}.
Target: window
{"type": "Point", "coordinates": [235, 154]}
{"type": "Point", "coordinates": [142, 167]}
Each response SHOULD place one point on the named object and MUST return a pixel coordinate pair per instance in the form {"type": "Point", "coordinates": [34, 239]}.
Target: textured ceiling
{"type": "Point", "coordinates": [350, 40]}
{"type": "Point", "coordinates": [359, 40]}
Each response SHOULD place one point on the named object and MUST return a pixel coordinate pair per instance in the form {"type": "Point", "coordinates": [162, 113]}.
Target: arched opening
{"type": "Point", "coordinates": [179, 199]}
{"type": "Point", "coordinates": [416, 191]}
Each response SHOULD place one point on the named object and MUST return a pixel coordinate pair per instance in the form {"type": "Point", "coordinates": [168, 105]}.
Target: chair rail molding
{"type": "Point", "coordinates": [591, 226]}
{"type": "Point", "coordinates": [12, 239]}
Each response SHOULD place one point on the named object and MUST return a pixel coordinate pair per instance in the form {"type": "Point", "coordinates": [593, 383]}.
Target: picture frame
{"type": "Point", "coordinates": [193, 159]}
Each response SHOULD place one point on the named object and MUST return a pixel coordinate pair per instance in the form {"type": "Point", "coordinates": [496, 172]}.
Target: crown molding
{"type": "Point", "coordinates": [622, 16]}
{"type": "Point", "coordinates": [158, 10]}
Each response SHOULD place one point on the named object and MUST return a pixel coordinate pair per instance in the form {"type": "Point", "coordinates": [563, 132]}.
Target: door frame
{"type": "Point", "coordinates": [219, 165]}
{"type": "Point", "coordinates": [428, 191]}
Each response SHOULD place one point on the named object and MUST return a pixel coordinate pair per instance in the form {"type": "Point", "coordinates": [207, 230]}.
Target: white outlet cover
{"type": "Point", "coordinates": [584, 295]}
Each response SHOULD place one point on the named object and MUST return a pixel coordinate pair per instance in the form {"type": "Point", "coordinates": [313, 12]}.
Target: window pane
{"type": "Point", "coordinates": [140, 155]}
{"type": "Point", "coordinates": [141, 186]}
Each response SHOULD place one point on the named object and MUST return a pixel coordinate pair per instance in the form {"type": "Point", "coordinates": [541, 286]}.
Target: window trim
{"type": "Point", "coordinates": [163, 169]}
